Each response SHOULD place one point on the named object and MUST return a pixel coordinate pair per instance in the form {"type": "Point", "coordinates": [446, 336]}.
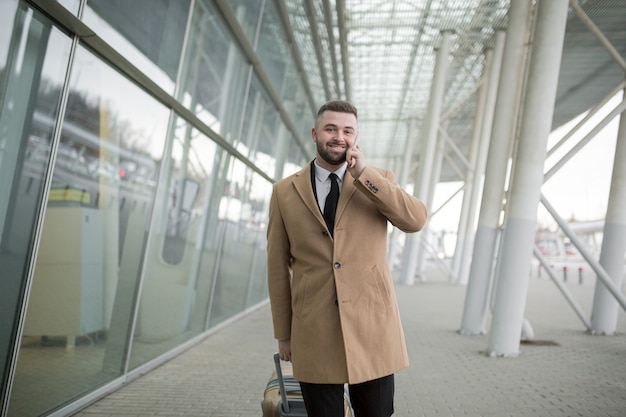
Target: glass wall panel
{"type": "Point", "coordinates": [248, 13]}
{"type": "Point", "coordinates": [243, 209]}
{"type": "Point", "coordinates": [260, 126]}
{"type": "Point", "coordinates": [91, 249]}
{"type": "Point", "coordinates": [182, 251]}
{"type": "Point", "coordinates": [33, 62]}
{"type": "Point", "coordinates": [215, 74]}
{"type": "Point", "coordinates": [148, 34]}
{"type": "Point", "coordinates": [295, 159]}
{"type": "Point", "coordinates": [297, 106]}
{"type": "Point", "coordinates": [273, 49]}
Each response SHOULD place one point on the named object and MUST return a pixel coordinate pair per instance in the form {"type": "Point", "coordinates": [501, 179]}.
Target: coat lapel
{"type": "Point", "coordinates": [304, 188]}
{"type": "Point", "coordinates": [347, 191]}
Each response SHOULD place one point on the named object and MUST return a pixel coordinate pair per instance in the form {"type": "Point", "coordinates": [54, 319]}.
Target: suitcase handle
{"type": "Point", "coordinates": [281, 383]}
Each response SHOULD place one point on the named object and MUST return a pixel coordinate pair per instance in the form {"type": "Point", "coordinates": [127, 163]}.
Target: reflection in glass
{"type": "Point", "coordinates": [273, 49]}
{"type": "Point", "coordinates": [181, 255]}
{"type": "Point", "coordinates": [33, 62]}
{"type": "Point", "coordinates": [148, 36]}
{"type": "Point", "coordinates": [91, 249]}
{"type": "Point", "coordinates": [241, 273]}
{"type": "Point", "coordinates": [247, 13]}
{"type": "Point", "coordinates": [215, 74]}
{"type": "Point", "coordinates": [260, 125]}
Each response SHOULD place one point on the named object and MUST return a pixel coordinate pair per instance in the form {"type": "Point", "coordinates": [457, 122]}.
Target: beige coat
{"type": "Point", "coordinates": [336, 300]}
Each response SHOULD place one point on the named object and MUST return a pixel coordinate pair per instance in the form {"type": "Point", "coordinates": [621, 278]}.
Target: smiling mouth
{"type": "Point", "coordinates": [338, 148]}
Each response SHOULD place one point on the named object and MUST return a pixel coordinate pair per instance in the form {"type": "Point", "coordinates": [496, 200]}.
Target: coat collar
{"type": "Point", "coordinates": [302, 184]}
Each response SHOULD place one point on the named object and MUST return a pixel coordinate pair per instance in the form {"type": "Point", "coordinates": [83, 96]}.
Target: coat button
{"type": "Point", "coordinates": [337, 265]}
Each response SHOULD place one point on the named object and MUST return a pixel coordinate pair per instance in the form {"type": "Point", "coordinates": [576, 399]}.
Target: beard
{"type": "Point", "coordinates": [329, 156]}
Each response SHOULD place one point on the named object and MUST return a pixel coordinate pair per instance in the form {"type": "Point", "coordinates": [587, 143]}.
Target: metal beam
{"type": "Point", "coordinates": [598, 34]}
{"type": "Point", "coordinates": [328, 20]}
{"type": "Point", "coordinates": [616, 112]}
{"type": "Point", "coordinates": [224, 7]}
{"type": "Point", "coordinates": [309, 6]}
{"type": "Point", "coordinates": [284, 16]}
{"type": "Point", "coordinates": [595, 265]}
{"type": "Point", "coordinates": [592, 112]}
{"type": "Point", "coordinates": [343, 45]}
{"type": "Point", "coordinates": [566, 293]}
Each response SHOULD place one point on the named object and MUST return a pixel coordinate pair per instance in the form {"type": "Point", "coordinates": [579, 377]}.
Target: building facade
{"type": "Point", "coordinates": [138, 145]}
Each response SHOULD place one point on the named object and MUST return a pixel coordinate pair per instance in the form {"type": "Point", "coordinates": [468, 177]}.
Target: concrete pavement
{"type": "Point", "coordinates": [577, 375]}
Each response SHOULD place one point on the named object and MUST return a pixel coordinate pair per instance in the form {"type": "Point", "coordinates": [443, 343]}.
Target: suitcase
{"type": "Point", "coordinates": [283, 398]}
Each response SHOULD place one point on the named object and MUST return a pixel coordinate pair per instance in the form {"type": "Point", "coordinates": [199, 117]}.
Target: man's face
{"type": "Point", "coordinates": [333, 134]}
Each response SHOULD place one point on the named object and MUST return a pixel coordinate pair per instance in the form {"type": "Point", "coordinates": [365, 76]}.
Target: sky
{"type": "Point", "coordinates": [579, 190]}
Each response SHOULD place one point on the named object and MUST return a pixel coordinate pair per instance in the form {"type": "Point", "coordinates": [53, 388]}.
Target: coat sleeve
{"type": "Point", "coordinates": [279, 270]}
{"type": "Point", "coordinates": [403, 210]}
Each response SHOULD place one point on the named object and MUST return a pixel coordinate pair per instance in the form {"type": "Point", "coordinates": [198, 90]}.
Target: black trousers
{"type": "Point", "coordinates": [369, 399]}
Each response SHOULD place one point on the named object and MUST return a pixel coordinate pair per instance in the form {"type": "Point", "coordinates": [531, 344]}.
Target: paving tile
{"type": "Point", "coordinates": [450, 375]}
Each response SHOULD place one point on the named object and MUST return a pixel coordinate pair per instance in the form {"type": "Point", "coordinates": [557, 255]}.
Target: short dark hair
{"type": "Point", "coordinates": [340, 106]}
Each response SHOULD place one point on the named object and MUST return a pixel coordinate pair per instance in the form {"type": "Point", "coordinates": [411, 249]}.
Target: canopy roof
{"type": "Point", "coordinates": [380, 54]}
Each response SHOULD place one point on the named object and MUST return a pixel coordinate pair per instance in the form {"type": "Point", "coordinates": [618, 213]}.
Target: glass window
{"type": "Point", "coordinates": [33, 63]}
{"type": "Point", "coordinates": [215, 74]}
{"type": "Point", "coordinates": [273, 49]}
{"type": "Point", "coordinates": [149, 35]}
{"type": "Point", "coordinates": [92, 243]}
{"type": "Point", "coordinates": [296, 104]}
{"type": "Point", "coordinates": [241, 274]}
{"type": "Point", "coordinates": [247, 13]}
{"type": "Point", "coordinates": [295, 160]}
{"type": "Point", "coordinates": [260, 126]}
{"type": "Point", "coordinates": [182, 249]}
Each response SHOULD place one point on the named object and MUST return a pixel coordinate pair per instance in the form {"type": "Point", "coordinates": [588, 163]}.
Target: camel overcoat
{"type": "Point", "coordinates": [334, 298]}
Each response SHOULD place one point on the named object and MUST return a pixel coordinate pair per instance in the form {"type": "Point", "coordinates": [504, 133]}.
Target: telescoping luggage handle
{"type": "Point", "coordinates": [281, 383]}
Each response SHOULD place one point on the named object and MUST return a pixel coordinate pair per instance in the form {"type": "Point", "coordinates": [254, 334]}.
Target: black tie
{"type": "Point", "coordinates": [331, 203]}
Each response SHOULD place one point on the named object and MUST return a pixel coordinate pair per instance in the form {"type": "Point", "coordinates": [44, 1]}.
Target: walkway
{"type": "Point", "coordinates": [225, 375]}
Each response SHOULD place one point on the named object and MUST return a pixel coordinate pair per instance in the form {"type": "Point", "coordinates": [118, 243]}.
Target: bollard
{"type": "Point", "coordinates": [580, 275]}
{"type": "Point", "coordinates": [564, 273]}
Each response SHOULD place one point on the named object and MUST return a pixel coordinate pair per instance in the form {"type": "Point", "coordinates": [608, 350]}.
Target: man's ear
{"type": "Point", "coordinates": [314, 135]}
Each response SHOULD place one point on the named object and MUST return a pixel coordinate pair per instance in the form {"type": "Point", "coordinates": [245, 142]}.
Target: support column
{"type": "Point", "coordinates": [403, 180]}
{"type": "Point", "coordinates": [483, 148]}
{"type": "Point", "coordinates": [518, 240]}
{"type": "Point", "coordinates": [475, 311]}
{"type": "Point", "coordinates": [605, 307]}
{"type": "Point", "coordinates": [431, 133]}
{"type": "Point", "coordinates": [435, 175]}
{"type": "Point", "coordinates": [471, 170]}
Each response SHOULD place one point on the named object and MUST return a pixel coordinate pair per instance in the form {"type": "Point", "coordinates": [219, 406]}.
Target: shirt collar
{"type": "Point", "coordinates": [322, 174]}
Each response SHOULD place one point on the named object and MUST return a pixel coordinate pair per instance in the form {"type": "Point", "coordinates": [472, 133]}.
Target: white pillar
{"type": "Point", "coordinates": [403, 179]}
{"type": "Point", "coordinates": [429, 140]}
{"type": "Point", "coordinates": [518, 240]}
{"type": "Point", "coordinates": [605, 307]}
{"type": "Point", "coordinates": [481, 161]}
{"type": "Point", "coordinates": [475, 311]}
{"type": "Point", "coordinates": [471, 169]}
{"type": "Point", "coordinates": [434, 180]}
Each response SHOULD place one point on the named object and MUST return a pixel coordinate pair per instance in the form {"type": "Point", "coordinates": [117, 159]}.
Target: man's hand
{"type": "Point", "coordinates": [284, 350]}
{"type": "Point", "coordinates": [356, 161]}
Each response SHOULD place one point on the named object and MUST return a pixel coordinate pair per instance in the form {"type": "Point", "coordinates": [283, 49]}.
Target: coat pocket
{"type": "Point", "coordinates": [382, 285]}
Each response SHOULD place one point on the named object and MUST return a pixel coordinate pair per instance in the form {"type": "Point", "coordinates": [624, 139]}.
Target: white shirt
{"type": "Point", "coordinates": [322, 182]}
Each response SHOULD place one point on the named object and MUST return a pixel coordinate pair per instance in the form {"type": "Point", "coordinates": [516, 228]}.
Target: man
{"type": "Point", "coordinates": [332, 297]}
